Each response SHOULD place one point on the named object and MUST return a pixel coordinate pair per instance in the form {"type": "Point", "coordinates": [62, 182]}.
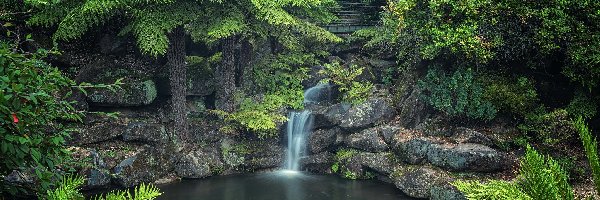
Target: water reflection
{"type": "Point", "coordinates": [280, 186]}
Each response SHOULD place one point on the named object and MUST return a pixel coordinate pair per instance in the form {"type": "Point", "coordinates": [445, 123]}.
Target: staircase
{"type": "Point", "coordinates": [354, 15]}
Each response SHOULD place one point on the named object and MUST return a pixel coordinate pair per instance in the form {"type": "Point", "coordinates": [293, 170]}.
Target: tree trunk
{"type": "Point", "coordinates": [225, 75]}
{"type": "Point", "coordinates": [177, 78]}
{"type": "Point", "coordinates": [244, 62]}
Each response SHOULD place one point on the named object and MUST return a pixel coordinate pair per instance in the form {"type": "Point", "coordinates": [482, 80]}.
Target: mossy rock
{"type": "Point", "coordinates": [131, 94]}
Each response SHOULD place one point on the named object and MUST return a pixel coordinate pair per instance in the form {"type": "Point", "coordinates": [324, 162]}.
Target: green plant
{"type": "Point", "coordinates": [458, 95]}
{"type": "Point", "coordinates": [67, 189]}
{"type": "Point", "coordinates": [492, 190]}
{"type": "Point", "coordinates": [542, 177]}
{"type": "Point", "coordinates": [140, 192]}
{"type": "Point", "coordinates": [582, 105]}
{"type": "Point", "coordinates": [549, 128]}
{"type": "Point", "coordinates": [352, 91]}
{"type": "Point", "coordinates": [591, 150]}
{"type": "Point", "coordinates": [516, 96]}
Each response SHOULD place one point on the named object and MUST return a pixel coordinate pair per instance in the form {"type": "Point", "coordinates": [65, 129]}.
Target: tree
{"type": "Point", "coordinates": [159, 27]}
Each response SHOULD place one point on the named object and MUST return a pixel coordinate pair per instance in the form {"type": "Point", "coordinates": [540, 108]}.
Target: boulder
{"type": "Point", "coordinates": [262, 154]}
{"type": "Point", "coordinates": [369, 140]}
{"type": "Point", "coordinates": [320, 163]}
{"type": "Point", "coordinates": [130, 94]}
{"type": "Point", "coordinates": [199, 164]}
{"type": "Point", "coordinates": [466, 157]}
{"type": "Point", "coordinates": [334, 114]}
{"type": "Point", "coordinates": [413, 151]}
{"type": "Point", "coordinates": [363, 115]}
{"type": "Point", "coordinates": [144, 132]}
{"type": "Point", "coordinates": [412, 110]}
{"type": "Point", "coordinates": [98, 132]}
{"type": "Point", "coordinates": [147, 165]}
{"type": "Point", "coordinates": [382, 163]}
{"type": "Point", "coordinates": [321, 94]}
{"type": "Point", "coordinates": [417, 182]}
{"type": "Point", "coordinates": [322, 139]}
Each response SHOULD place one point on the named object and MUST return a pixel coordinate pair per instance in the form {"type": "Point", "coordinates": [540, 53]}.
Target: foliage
{"type": "Point", "coordinates": [32, 107]}
{"type": "Point", "coordinates": [516, 96]}
{"type": "Point", "coordinates": [492, 190]}
{"type": "Point", "coordinates": [68, 190]}
{"type": "Point", "coordinates": [582, 105]}
{"type": "Point", "coordinates": [459, 95]}
{"type": "Point", "coordinates": [342, 156]}
{"type": "Point", "coordinates": [591, 150]}
{"type": "Point", "coordinates": [551, 128]}
{"type": "Point", "coordinates": [260, 117]}
{"type": "Point", "coordinates": [352, 90]}
{"type": "Point", "coordinates": [540, 177]}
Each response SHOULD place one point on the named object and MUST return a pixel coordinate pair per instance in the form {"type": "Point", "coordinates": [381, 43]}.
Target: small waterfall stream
{"type": "Point", "coordinates": [300, 124]}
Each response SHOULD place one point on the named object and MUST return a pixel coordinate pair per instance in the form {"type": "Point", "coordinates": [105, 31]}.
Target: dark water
{"type": "Point", "coordinates": [280, 186]}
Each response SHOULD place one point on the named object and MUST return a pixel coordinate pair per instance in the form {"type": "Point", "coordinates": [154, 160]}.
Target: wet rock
{"type": "Point", "coordinates": [445, 192]}
{"type": "Point", "coordinates": [369, 140]}
{"type": "Point", "coordinates": [322, 139]}
{"type": "Point", "coordinates": [144, 132]}
{"type": "Point", "coordinates": [99, 131]}
{"type": "Point", "coordinates": [320, 163]}
{"type": "Point", "coordinates": [367, 114]}
{"type": "Point", "coordinates": [131, 94]}
{"type": "Point", "coordinates": [466, 157]}
{"type": "Point", "coordinates": [382, 163]}
{"type": "Point", "coordinates": [265, 154]}
{"type": "Point", "coordinates": [147, 165]}
{"type": "Point", "coordinates": [199, 164]}
{"type": "Point", "coordinates": [413, 151]}
{"type": "Point", "coordinates": [321, 94]}
{"type": "Point", "coordinates": [333, 115]}
{"type": "Point", "coordinates": [417, 182]}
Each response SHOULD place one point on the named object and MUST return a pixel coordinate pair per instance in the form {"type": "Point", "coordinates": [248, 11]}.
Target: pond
{"type": "Point", "coordinates": [281, 185]}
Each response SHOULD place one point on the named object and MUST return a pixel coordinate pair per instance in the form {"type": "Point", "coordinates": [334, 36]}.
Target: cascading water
{"type": "Point", "coordinates": [298, 129]}
{"type": "Point", "coordinates": [300, 125]}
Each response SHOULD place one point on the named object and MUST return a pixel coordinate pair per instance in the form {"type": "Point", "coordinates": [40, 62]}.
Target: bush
{"type": "Point", "coordinates": [582, 105]}
{"type": "Point", "coordinates": [459, 95]}
{"type": "Point", "coordinates": [353, 91]}
{"type": "Point", "coordinates": [591, 150]}
{"type": "Point", "coordinates": [549, 128]}
{"type": "Point", "coordinates": [31, 108]}
{"type": "Point", "coordinates": [516, 96]}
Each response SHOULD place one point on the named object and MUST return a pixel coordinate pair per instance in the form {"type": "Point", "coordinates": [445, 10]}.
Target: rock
{"type": "Point", "coordinates": [202, 82]}
{"type": "Point", "coordinates": [466, 157]}
{"type": "Point", "coordinates": [131, 94]}
{"type": "Point", "coordinates": [388, 132]}
{"type": "Point", "coordinates": [366, 114]}
{"type": "Point", "coordinates": [333, 115]}
{"type": "Point", "coordinates": [382, 163]}
{"type": "Point", "coordinates": [445, 192]}
{"type": "Point", "coordinates": [381, 67]}
{"type": "Point", "coordinates": [199, 164]}
{"type": "Point", "coordinates": [147, 165]}
{"type": "Point", "coordinates": [412, 110]}
{"type": "Point", "coordinates": [322, 139]}
{"type": "Point", "coordinates": [368, 140]}
{"type": "Point", "coordinates": [418, 182]}
{"type": "Point", "coordinates": [413, 151]}
{"type": "Point", "coordinates": [314, 76]}
{"type": "Point", "coordinates": [98, 132]}
{"type": "Point", "coordinates": [321, 94]}
{"type": "Point", "coordinates": [144, 132]}
{"type": "Point", "coordinates": [319, 163]}
{"type": "Point", "coordinates": [263, 154]}
{"type": "Point", "coordinates": [466, 135]}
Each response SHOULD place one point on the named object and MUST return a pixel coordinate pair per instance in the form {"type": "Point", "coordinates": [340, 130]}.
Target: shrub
{"type": "Point", "coordinates": [591, 150]}
{"type": "Point", "coordinates": [458, 95]}
{"type": "Point", "coordinates": [582, 105]}
{"type": "Point", "coordinates": [550, 128]}
{"type": "Point", "coordinates": [352, 91]}
{"type": "Point", "coordinates": [516, 96]}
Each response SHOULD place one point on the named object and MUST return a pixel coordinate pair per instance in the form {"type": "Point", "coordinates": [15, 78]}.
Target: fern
{"type": "Point", "coordinates": [591, 150]}
{"type": "Point", "coordinates": [67, 189]}
{"type": "Point", "coordinates": [492, 190]}
{"type": "Point", "coordinates": [543, 178]}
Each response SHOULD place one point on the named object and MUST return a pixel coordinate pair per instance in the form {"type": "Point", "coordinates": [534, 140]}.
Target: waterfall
{"type": "Point", "coordinates": [298, 129]}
